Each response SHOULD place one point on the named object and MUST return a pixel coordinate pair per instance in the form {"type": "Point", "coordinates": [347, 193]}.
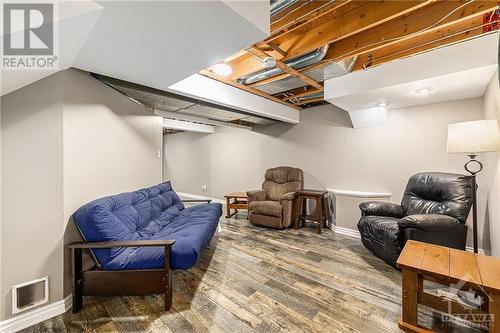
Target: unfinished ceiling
{"type": "Point", "coordinates": [315, 40]}
{"type": "Point", "coordinates": [182, 107]}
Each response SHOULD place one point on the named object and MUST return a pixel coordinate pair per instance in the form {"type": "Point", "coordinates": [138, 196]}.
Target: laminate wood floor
{"type": "Point", "coordinates": [255, 279]}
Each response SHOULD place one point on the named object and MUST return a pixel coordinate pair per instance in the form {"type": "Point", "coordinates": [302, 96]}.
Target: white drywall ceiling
{"type": "Point", "coordinates": [75, 21]}
{"type": "Point", "coordinates": [158, 43]}
{"type": "Point", "coordinates": [153, 43]}
{"type": "Point", "coordinates": [455, 72]}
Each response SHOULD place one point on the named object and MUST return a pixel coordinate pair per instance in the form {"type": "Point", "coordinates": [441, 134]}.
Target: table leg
{"type": "Point", "coordinates": [296, 214]}
{"type": "Point", "coordinates": [228, 211]}
{"type": "Point", "coordinates": [319, 214]}
{"type": "Point", "coordinates": [411, 283]}
{"type": "Point", "coordinates": [303, 211]}
{"type": "Point", "coordinates": [494, 310]}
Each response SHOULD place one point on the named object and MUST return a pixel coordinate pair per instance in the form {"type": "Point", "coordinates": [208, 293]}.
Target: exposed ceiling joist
{"type": "Point", "coordinates": [287, 69]}
{"type": "Point", "coordinates": [219, 78]}
{"type": "Point", "coordinates": [373, 31]}
{"type": "Point", "coordinates": [304, 14]}
{"type": "Point", "coordinates": [438, 18]}
{"type": "Point", "coordinates": [419, 27]}
{"type": "Point", "coordinates": [365, 15]}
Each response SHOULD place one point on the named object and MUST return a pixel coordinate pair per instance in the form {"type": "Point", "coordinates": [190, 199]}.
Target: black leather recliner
{"type": "Point", "coordinates": [434, 209]}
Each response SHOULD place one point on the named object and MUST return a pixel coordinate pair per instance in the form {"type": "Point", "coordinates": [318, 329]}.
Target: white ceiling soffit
{"type": "Point", "coordinates": [455, 72]}
{"type": "Point", "coordinates": [74, 22]}
{"type": "Point", "coordinates": [209, 90]}
{"type": "Point", "coordinates": [153, 43]}
{"type": "Point", "coordinates": [181, 125]}
{"type": "Point", "coordinates": [158, 43]}
{"type": "Point", "coordinates": [258, 15]}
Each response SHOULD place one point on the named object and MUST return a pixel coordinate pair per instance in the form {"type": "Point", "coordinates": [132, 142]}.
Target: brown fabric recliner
{"type": "Point", "coordinates": [273, 205]}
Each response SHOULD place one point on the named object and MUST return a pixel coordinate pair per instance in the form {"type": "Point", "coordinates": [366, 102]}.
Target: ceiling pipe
{"type": "Point", "coordinates": [296, 63]}
{"type": "Point", "coordinates": [277, 6]}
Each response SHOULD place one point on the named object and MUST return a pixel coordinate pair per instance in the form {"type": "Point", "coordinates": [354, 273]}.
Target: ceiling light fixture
{"type": "Point", "coordinates": [382, 104]}
{"type": "Point", "coordinates": [222, 69]}
{"type": "Point", "coordinates": [423, 91]}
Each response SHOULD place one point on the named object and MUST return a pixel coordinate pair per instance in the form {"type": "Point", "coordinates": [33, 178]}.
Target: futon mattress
{"type": "Point", "coordinates": [148, 214]}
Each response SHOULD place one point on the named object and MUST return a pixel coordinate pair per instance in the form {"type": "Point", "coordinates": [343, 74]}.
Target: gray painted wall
{"type": "Point", "coordinates": [65, 140]}
{"type": "Point", "coordinates": [331, 154]}
{"type": "Point", "coordinates": [492, 169]}
{"type": "Point", "coordinates": [32, 188]}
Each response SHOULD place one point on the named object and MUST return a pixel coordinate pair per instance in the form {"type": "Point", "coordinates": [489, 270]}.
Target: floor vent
{"type": "Point", "coordinates": [30, 294]}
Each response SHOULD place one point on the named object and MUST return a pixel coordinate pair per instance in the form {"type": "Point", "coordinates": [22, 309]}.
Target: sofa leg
{"type": "Point", "coordinates": [168, 291]}
{"type": "Point", "coordinates": [77, 280]}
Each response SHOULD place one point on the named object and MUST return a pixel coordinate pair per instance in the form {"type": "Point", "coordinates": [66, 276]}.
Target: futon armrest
{"type": "Point", "coordinates": [129, 243]}
{"type": "Point", "coordinates": [429, 222]}
{"type": "Point", "coordinates": [256, 195]}
{"type": "Point", "coordinates": [198, 200]}
{"type": "Point", "coordinates": [379, 208]}
{"type": "Point", "coordinates": [288, 196]}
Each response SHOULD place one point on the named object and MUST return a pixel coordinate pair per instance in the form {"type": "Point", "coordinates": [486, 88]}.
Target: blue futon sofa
{"type": "Point", "coordinates": [133, 234]}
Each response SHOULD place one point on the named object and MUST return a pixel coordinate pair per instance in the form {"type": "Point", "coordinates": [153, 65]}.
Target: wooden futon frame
{"type": "Point", "coordinates": [140, 282]}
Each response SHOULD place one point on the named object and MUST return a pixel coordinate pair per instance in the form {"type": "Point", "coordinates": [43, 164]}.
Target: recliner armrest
{"type": "Point", "coordinates": [380, 208]}
{"type": "Point", "coordinates": [429, 222]}
{"type": "Point", "coordinates": [288, 196]}
{"type": "Point", "coordinates": [256, 195]}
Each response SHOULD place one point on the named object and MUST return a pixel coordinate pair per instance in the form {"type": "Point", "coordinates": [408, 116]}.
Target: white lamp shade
{"type": "Point", "coordinates": [473, 137]}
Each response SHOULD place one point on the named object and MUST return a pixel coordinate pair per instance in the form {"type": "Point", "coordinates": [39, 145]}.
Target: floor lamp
{"type": "Point", "coordinates": [471, 138]}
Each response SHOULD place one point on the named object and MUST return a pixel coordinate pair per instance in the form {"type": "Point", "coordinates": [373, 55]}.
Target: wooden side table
{"type": "Point", "coordinates": [235, 200]}
{"type": "Point", "coordinates": [464, 270]}
{"type": "Point", "coordinates": [300, 208]}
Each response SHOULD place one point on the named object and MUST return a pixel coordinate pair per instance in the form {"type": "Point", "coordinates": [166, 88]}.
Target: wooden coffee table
{"type": "Point", "coordinates": [235, 200]}
{"type": "Point", "coordinates": [465, 270]}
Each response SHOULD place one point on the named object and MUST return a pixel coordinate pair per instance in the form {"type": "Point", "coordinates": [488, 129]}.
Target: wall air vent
{"type": "Point", "coordinates": [30, 294]}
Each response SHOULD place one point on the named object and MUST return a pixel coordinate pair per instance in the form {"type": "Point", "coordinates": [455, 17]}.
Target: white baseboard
{"type": "Point", "coordinates": [355, 233]}
{"type": "Point", "coordinates": [35, 316]}
{"type": "Point", "coordinates": [201, 197]}
{"type": "Point", "coordinates": [346, 231]}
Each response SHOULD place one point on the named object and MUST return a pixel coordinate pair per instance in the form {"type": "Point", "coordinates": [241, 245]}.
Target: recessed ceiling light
{"type": "Point", "coordinates": [382, 104]}
{"type": "Point", "coordinates": [222, 69]}
{"type": "Point", "coordinates": [423, 91]}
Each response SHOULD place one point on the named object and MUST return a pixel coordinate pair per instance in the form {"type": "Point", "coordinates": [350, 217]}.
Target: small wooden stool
{"type": "Point", "coordinates": [300, 208]}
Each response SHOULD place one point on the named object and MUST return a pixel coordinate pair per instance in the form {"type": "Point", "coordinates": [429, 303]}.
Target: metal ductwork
{"type": "Point", "coordinates": [308, 97]}
{"type": "Point", "coordinates": [277, 6]}
{"type": "Point", "coordinates": [296, 63]}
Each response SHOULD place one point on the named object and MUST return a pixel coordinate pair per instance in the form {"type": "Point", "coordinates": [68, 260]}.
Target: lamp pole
{"type": "Point", "coordinates": [473, 173]}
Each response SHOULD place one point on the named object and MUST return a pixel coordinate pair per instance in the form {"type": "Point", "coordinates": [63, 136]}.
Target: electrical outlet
{"type": "Point", "coordinates": [204, 188]}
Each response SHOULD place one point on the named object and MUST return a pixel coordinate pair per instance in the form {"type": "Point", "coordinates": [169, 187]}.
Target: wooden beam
{"type": "Point", "coordinates": [254, 91]}
{"type": "Point", "coordinates": [276, 48]}
{"type": "Point", "coordinates": [410, 48]}
{"type": "Point", "coordinates": [342, 21]}
{"type": "Point", "coordinates": [420, 27]}
{"type": "Point", "coordinates": [365, 15]}
{"type": "Point", "coordinates": [285, 68]}
{"type": "Point", "coordinates": [425, 21]}
{"type": "Point", "coordinates": [306, 14]}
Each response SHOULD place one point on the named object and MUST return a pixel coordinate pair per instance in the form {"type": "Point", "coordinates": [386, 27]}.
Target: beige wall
{"type": "Point", "coordinates": [492, 169]}
{"type": "Point", "coordinates": [111, 145]}
{"type": "Point", "coordinates": [65, 140]}
{"type": "Point", "coordinates": [32, 188]}
{"type": "Point", "coordinates": [331, 154]}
